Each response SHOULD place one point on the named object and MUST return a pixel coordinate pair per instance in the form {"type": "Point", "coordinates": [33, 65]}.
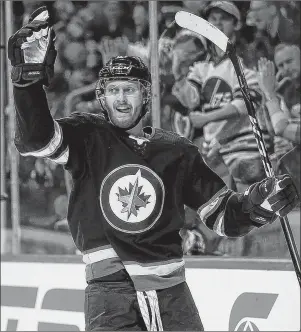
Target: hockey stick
{"type": "Point", "coordinates": [197, 24]}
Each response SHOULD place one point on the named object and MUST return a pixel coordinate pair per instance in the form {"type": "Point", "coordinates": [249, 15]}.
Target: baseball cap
{"type": "Point", "coordinates": [226, 6]}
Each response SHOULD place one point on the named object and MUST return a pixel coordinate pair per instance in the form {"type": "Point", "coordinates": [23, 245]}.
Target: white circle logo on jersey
{"type": "Point", "coordinates": [132, 198]}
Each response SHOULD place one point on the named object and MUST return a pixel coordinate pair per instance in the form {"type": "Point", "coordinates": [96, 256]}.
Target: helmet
{"type": "Point", "coordinates": [124, 68]}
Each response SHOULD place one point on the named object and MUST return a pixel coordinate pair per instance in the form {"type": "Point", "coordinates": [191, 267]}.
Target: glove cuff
{"type": "Point", "coordinates": [27, 74]}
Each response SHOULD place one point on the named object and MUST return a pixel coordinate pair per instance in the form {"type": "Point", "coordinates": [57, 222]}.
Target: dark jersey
{"type": "Point", "coordinates": [127, 202]}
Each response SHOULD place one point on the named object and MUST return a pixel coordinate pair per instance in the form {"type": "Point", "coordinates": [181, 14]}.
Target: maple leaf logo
{"type": "Point", "coordinates": [133, 199]}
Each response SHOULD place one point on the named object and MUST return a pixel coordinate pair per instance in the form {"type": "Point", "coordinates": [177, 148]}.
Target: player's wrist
{"type": "Point", "coordinates": [253, 203]}
{"type": "Point", "coordinates": [27, 74]}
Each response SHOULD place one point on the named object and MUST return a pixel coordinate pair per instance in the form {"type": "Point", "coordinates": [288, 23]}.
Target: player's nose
{"type": "Point", "coordinates": [121, 95]}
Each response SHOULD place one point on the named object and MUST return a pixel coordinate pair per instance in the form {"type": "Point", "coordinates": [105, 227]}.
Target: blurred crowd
{"type": "Point", "coordinates": [267, 38]}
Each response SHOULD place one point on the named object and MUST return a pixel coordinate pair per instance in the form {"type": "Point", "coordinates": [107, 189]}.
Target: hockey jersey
{"type": "Point", "coordinates": [210, 86]}
{"type": "Point", "coordinates": [127, 202]}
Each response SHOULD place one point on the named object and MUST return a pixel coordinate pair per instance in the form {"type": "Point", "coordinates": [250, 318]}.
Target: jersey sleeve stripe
{"type": "Point", "coordinates": [63, 157]}
{"type": "Point", "coordinates": [219, 227]}
{"type": "Point", "coordinates": [51, 147]}
{"type": "Point", "coordinates": [212, 205]}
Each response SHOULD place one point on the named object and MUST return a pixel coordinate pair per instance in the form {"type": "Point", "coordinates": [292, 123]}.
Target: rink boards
{"type": "Point", "coordinates": [46, 293]}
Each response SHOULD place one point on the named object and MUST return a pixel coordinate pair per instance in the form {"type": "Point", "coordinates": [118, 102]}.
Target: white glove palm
{"type": "Point", "coordinates": [35, 48]}
{"type": "Point", "coordinates": [31, 51]}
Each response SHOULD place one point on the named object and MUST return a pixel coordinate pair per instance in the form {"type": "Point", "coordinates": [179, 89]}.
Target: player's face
{"type": "Point", "coordinates": [223, 21]}
{"type": "Point", "coordinates": [287, 61]}
{"type": "Point", "coordinates": [124, 101]}
{"type": "Point", "coordinates": [112, 10]}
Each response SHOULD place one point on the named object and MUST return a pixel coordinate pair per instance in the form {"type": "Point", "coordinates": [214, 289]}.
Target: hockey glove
{"type": "Point", "coordinates": [31, 51]}
{"type": "Point", "coordinates": [272, 197]}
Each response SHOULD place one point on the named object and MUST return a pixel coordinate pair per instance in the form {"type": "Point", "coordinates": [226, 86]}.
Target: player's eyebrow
{"type": "Point", "coordinates": [111, 85]}
{"type": "Point", "coordinates": [114, 85]}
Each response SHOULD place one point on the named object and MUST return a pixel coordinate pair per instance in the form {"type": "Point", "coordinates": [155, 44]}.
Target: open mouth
{"type": "Point", "coordinates": [123, 108]}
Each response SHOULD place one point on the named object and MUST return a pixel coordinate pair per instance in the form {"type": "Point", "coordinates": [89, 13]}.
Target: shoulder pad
{"type": "Point", "coordinates": [169, 137]}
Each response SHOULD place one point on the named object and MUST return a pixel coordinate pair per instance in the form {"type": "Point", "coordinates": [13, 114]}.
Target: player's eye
{"type": "Point", "coordinates": [112, 91]}
{"type": "Point", "coordinates": [130, 90]}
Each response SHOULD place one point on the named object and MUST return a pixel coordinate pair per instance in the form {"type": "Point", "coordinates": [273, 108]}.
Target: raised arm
{"type": "Point", "coordinates": [280, 120]}
{"type": "Point", "coordinates": [32, 54]}
{"type": "Point", "coordinates": [234, 214]}
{"type": "Point", "coordinates": [37, 134]}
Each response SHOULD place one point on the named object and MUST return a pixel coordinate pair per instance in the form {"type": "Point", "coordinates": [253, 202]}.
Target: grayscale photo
{"type": "Point", "coordinates": [150, 165]}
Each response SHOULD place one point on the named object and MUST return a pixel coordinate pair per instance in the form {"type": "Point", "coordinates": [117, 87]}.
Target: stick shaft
{"type": "Point", "coordinates": [264, 156]}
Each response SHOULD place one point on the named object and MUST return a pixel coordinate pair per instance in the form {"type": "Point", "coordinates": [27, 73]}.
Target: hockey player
{"type": "Point", "coordinates": [130, 185]}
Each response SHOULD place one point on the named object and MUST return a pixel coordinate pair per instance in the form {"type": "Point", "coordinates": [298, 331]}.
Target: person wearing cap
{"type": "Point", "coordinates": [230, 9]}
{"type": "Point", "coordinates": [211, 92]}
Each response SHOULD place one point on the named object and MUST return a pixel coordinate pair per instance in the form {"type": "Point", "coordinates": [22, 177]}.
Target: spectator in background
{"type": "Point", "coordinates": [140, 18]}
{"type": "Point", "coordinates": [167, 12]}
{"type": "Point", "coordinates": [272, 28]}
{"type": "Point", "coordinates": [188, 48]}
{"type": "Point", "coordinates": [79, 74]}
{"type": "Point", "coordinates": [221, 15]}
{"type": "Point", "coordinates": [76, 29]}
{"type": "Point", "coordinates": [283, 106]}
{"type": "Point", "coordinates": [291, 10]}
{"type": "Point", "coordinates": [271, 21]}
{"type": "Point", "coordinates": [64, 10]}
{"type": "Point", "coordinates": [115, 23]}
{"type": "Point", "coordinates": [177, 47]}
{"type": "Point", "coordinates": [140, 45]}
{"type": "Point", "coordinates": [75, 55]}
{"type": "Point", "coordinates": [212, 93]}
{"type": "Point", "coordinates": [168, 30]}
{"type": "Point", "coordinates": [287, 59]}
{"type": "Point", "coordinates": [195, 7]}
